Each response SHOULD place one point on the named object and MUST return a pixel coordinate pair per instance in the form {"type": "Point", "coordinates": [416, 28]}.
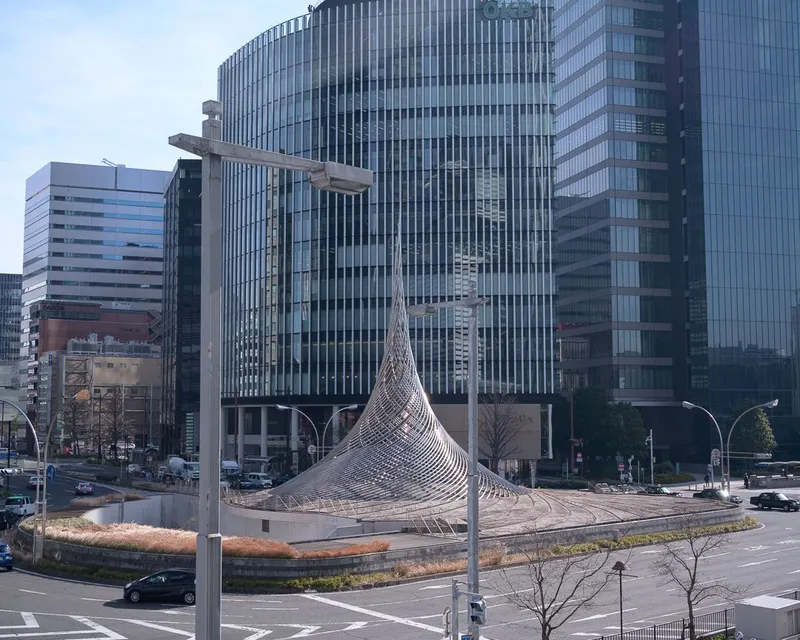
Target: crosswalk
{"type": "Point", "coordinates": [47, 626]}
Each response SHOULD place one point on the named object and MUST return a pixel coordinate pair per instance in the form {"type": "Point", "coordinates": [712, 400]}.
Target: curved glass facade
{"type": "Point", "coordinates": [449, 103]}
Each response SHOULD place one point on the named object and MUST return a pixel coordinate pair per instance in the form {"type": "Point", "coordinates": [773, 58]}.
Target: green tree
{"type": "Point", "coordinates": [753, 432]}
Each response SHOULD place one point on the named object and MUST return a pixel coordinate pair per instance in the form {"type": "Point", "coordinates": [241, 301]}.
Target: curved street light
{"type": "Point", "coordinates": [283, 407]}
{"type": "Point", "coordinates": [351, 407]}
{"type": "Point", "coordinates": [689, 405]}
{"type": "Point", "coordinates": [767, 405]}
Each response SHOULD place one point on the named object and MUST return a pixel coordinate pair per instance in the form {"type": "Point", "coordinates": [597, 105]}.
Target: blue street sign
{"type": "Point", "coordinates": [51, 472]}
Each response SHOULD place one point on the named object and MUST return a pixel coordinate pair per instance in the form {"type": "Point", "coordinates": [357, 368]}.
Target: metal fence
{"type": "Point", "coordinates": [706, 626]}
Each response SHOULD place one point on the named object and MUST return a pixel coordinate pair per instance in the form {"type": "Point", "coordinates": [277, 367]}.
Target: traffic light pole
{"type": "Point", "coordinates": [476, 613]}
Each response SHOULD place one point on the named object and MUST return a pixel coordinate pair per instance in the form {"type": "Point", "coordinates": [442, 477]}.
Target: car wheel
{"type": "Point", "coordinates": [786, 508]}
{"type": "Point", "coordinates": [760, 506]}
{"type": "Point", "coordinates": [134, 596]}
{"type": "Point", "coordinates": [188, 597]}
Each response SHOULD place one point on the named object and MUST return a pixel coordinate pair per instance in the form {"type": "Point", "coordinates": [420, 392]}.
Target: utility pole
{"type": "Point", "coordinates": [650, 440]}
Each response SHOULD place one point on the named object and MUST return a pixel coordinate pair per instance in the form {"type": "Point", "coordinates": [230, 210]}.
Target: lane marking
{"type": "Point", "coordinates": [94, 626]}
{"type": "Point", "coordinates": [307, 630]}
{"type": "Point", "coordinates": [356, 625]}
{"type": "Point", "coordinates": [373, 614]}
{"type": "Point", "coordinates": [600, 616]}
{"type": "Point", "coordinates": [38, 593]}
{"type": "Point", "coordinates": [753, 564]}
{"type": "Point", "coordinates": [28, 619]}
{"type": "Point", "coordinates": [161, 627]}
{"type": "Point", "coordinates": [94, 599]}
{"type": "Point", "coordinates": [276, 609]}
{"type": "Point", "coordinates": [257, 635]}
{"type": "Point", "coordinates": [437, 586]}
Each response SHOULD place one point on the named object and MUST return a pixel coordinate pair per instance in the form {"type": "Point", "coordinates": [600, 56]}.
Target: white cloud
{"type": "Point", "coordinates": [86, 81]}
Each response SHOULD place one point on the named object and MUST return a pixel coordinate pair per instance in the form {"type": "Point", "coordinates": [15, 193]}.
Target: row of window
{"type": "Point", "coordinates": [626, 96]}
{"type": "Point", "coordinates": [634, 123]}
{"type": "Point", "coordinates": [611, 149]}
{"type": "Point", "coordinates": [608, 41]}
{"type": "Point", "coordinates": [619, 179]}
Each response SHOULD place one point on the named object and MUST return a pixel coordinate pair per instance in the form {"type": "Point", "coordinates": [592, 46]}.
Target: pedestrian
{"type": "Point", "coordinates": [707, 479]}
{"type": "Point", "coordinates": [746, 481]}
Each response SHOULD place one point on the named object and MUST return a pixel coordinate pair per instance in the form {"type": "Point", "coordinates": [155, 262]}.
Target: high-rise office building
{"type": "Point", "coordinates": [181, 309]}
{"type": "Point", "coordinates": [93, 234]}
{"type": "Point", "coordinates": [677, 203]}
{"type": "Point", "coordinates": [449, 103]}
{"type": "Point", "coordinates": [10, 317]}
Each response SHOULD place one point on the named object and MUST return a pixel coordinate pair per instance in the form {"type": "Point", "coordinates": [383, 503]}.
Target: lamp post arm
{"type": "Point", "coordinates": [330, 421]}
{"type": "Point", "coordinates": [730, 433]}
{"type": "Point", "coordinates": [311, 422]}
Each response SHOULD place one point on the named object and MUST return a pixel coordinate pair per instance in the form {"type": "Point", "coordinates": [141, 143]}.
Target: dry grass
{"type": "Point", "coordinates": [100, 501]}
{"type": "Point", "coordinates": [136, 537]}
{"type": "Point", "coordinates": [494, 557]}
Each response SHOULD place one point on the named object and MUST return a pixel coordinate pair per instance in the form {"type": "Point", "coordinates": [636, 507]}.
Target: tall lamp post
{"type": "Point", "coordinates": [473, 303]}
{"type": "Point", "coordinates": [767, 405]}
{"type": "Point", "coordinates": [619, 567]}
{"type": "Point", "coordinates": [328, 176]}
{"type": "Point", "coordinates": [351, 407]}
{"type": "Point", "coordinates": [28, 422]}
{"type": "Point", "coordinates": [81, 395]}
{"type": "Point", "coordinates": [283, 407]}
{"type": "Point", "coordinates": [689, 405]}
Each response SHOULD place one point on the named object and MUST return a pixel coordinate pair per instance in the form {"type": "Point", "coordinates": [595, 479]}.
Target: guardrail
{"type": "Point", "coordinates": [706, 626]}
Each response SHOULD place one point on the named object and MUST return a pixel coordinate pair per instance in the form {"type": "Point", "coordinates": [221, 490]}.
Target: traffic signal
{"type": "Point", "coordinates": [477, 611]}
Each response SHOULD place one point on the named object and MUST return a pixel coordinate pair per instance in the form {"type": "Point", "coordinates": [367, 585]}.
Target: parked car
{"type": "Point", "coordinates": [172, 584]}
{"type": "Point", "coordinates": [259, 480]}
{"type": "Point", "coordinates": [774, 500]}
{"type": "Point", "coordinates": [718, 494]}
{"type": "Point", "coordinates": [660, 491]}
{"type": "Point", "coordinates": [19, 506]}
{"type": "Point", "coordinates": [281, 480]}
{"type": "Point", "coordinates": [35, 481]}
{"type": "Point", "coordinates": [6, 559]}
{"type": "Point", "coordinates": [84, 489]}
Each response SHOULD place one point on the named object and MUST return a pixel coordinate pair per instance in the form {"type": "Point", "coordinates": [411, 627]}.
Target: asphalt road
{"type": "Point", "coordinates": [59, 491]}
{"type": "Point", "coordinates": [761, 561]}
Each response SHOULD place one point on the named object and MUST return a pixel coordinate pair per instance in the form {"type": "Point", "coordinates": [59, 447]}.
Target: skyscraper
{"type": "Point", "coordinates": [181, 312]}
{"type": "Point", "coordinates": [449, 103]}
{"type": "Point", "coordinates": [677, 202]}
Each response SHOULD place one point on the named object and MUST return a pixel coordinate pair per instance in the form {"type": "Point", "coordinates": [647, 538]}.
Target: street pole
{"type": "Point", "coordinates": [283, 407]}
{"type": "Point", "coordinates": [209, 540]}
{"type": "Point", "coordinates": [767, 405]}
{"type": "Point", "coordinates": [351, 407]}
{"type": "Point", "coordinates": [621, 630]}
{"type": "Point", "coordinates": [570, 468]}
{"type": "Point", "coordinates": [473, 514]}
{"type": "Point", "coordinates": [689, 405]}
{"type": "Point", "coordinates": [652, 475]}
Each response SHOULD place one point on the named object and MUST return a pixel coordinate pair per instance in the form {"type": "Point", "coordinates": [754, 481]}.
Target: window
{"type": "Point", "coordinates": [110, 365]}
{"type": "Point", "coordinates": [123, 365]}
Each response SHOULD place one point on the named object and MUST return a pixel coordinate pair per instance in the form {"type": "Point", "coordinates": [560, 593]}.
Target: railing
{"type": "Point", "coordinates": [706, 626]}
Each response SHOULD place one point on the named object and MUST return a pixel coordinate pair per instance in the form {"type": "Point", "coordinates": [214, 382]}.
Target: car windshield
{"type": "Point", "coordinates": [11, 502]}
{"type": "Point", "coordinates": [3, 548]}
{"type": "Point", "coordinates": [781, 496]}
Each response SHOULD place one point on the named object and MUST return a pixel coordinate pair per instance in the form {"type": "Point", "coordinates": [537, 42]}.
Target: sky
{"type": "Point", "coordinates": [85, 80]}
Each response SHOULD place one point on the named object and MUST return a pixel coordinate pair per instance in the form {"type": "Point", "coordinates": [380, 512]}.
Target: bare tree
{"type": "Point", "coordinates": [554, 589]}
{"type": "Point", "coordinates": [115, 420]}
{"type": "Point", "coordinates": [75, 413]}
{"type": "Point", "coordinates": [681, 567]}
{"type": "Point", "coordinates": [499, 423]}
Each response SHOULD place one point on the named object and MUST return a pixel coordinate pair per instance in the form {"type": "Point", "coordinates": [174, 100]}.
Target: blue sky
{"type": "Point", "coordinates": [85, 80]}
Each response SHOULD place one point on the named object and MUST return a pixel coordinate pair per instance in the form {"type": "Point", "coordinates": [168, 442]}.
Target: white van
{"type": "Point", "coordinates": [260, 480]}
{"type": "Point", "coordinates": [20, 505]}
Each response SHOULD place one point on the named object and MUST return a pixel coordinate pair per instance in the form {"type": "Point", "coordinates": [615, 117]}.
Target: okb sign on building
{"type": "Point", "coordinates": [508, 10]}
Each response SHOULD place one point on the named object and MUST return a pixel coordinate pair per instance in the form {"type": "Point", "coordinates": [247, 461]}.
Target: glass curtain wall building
{"type": "Point", "coordinates": [737, 160]}
{"type": "Point", "coordinates": [449, 103]}
{"type": "Point", "coordinates": [180, 395]}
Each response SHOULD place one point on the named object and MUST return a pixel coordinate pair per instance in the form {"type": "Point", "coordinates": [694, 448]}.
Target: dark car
{"type": "Point", "coordinates": [6, 560]}
{"type": "Point", "coordinates": [718, 494]}
{"type": "Point", "coordinates": [660, 491]}
{"type": "Point", "coordinates": [173, 584]}
{"type": "Point", "coordinates": [281, 480]}
{"type": "Point", "coordinates": [774, 500]}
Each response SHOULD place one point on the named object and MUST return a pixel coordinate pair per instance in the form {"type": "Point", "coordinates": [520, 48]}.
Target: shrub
{"type": "Point", "coordinates": [99, 501]}
{"type": "Point", "coordinates": [664, 467]}
{"type": "Point", "coordinates": [673, 478]}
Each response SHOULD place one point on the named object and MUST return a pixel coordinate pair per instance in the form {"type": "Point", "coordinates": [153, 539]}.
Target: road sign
{"type": "Point", "coordinates": [716, 462]}
{"type": "Point", "coordinates": [716, 454]}
{"type": "Point", "coordinates": [51, 472]}
{"type": "Point", "coordinates": [312, 449]}
{"type": "Point", "coordinates": [621, 467]}
{"type": "Point", "coordinates": [762, 456]}
{"type": "Point", "coordinates": [579, 458]}
{"type": "Point", "coordinates": [709, 468]}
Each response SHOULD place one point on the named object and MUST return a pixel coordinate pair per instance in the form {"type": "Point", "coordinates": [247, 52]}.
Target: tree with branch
{"type": "Point", "coordinates": [554, 589]}
{"type": "Point", "coordinates": [74, 414]}
{"type": "Point", "coordinates": [115, 420]}
{"type": "Point", "coordinates": [499, 424]}
{"type": "Point", "coordinates": [681, 567]}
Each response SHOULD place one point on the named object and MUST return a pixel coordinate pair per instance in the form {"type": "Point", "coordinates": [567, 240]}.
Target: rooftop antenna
{"type": "Point", "coordinates": [108, 163]}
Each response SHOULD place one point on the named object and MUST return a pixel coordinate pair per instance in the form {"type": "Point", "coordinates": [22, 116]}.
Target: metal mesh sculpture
{"type": "Point", "coordinates": [398, 459]}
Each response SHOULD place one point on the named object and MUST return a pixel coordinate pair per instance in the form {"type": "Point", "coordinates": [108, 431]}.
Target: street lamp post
{"type": "Point", "coordinates": [36, 537]}
{"type": "Point", "coordinates": [351, 407]}
{"type": "Point", "coordinates": [767, 405]}
{"type": "Point", "coordinates": [283, 407]}
{"type": "Point", "coordinates": [329, 176]}
{"type": "Point", "coordinates": [621, 568]}
{"type": "Point", "coordinates": [689, 405]}
{"type": "Point", "coordinates": [473, 303]}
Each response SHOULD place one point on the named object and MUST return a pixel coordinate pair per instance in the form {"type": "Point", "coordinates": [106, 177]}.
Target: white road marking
{"type": "Point", "coordinates": [307, 630]}
{"type": "Point", "coordinates": [600, 616]}
{"type": "Point", "coordinates": [94, 599]}
{"type": "Point", "coordinates": [28, 619]}
{"type": "Point", "coordinates": [276, 609]}
{"type": "Point", "coordinates": [38, 593]}
{"type": "Point", "coordinates": [257, 635]}
{"type": "Point", "coordinates": [161, 627]}
{"type": "Point", "coordinates": [793, 572]}
{"type": "Point", "coordinates": [373, 614]}
{"type": "Point", "coordinates": [355, 625]}
{"type": "Point", "coordinates": [172, 612]}
{"type": "Point", "coordinates": [94, 626]}
{"type": "Point", "coordinates": [437, 586]}
{"type": "Point", "coordinates": [753, 564]}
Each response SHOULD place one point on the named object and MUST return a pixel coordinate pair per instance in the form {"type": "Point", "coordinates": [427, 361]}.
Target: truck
{"type": "Point", "coordinates": [774, 500]}
{"type": "Point", "coordinates": [179, 469]}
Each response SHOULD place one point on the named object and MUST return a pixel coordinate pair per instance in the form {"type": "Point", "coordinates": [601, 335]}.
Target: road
{"type": "Point", "coordinates": [59, 491]}
{"type": "Point", "coordinates": [764, 561]}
